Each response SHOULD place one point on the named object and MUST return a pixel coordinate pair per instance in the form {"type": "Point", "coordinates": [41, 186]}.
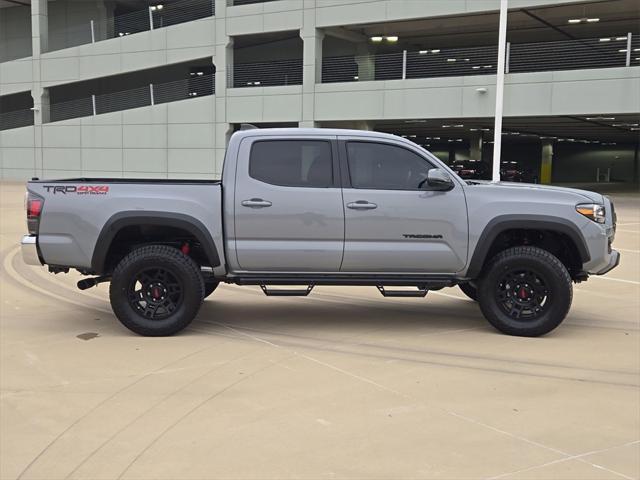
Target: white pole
{"type": "Point", "coordinates": [497, 129]}
{"type": "Point", "coordinates": [150, 19]}
{"type": "Point", "coordinates": [93, 33]}
{"type": "Point", "coordinates": [404, 65]}
{"type": "Point", "coordinates": [628, 59]}
{"type": "Point", "coordinates": [151, 94]}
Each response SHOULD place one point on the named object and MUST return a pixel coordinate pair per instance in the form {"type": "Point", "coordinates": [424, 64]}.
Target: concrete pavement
{"type": "Point", "coordinates": [341, 384]}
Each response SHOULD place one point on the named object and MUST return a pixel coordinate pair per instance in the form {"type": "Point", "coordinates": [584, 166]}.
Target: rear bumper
{"type": "Point", "coordinates": [614, 261]}
{"type": "Point", "coordinates": [29, 249]}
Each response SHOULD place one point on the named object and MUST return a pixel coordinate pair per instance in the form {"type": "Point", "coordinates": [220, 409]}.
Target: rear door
{"type": "Point", "coordinates": [289, 214]}
{"type": "Point", "coordinates": [392, 222]}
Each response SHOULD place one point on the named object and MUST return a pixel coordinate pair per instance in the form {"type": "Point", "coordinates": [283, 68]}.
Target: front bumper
{"type": "Point", "coordinates": [614, 261]}
{"type": "Point", "coordinates": [29, 248]}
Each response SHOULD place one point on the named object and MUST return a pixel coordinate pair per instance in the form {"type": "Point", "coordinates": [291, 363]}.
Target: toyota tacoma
{"type": "Point", "coordinates": [297, 208]}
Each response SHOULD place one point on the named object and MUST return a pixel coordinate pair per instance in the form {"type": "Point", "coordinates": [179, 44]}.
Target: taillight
{"type": "Point", "coordinates": [34, 210]}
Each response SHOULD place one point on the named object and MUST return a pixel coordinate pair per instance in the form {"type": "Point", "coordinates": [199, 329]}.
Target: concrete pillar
{"type": "Point", "coordinates": [223, 61]}
{"type": "Point", "coordinates": [546, 162]}
{"type": "Point", "coordinates": [312, 39]}
{"type": "Point", "coordinates": [39, 27]}
{"type": "Point", "coordinates": [475, 146]}
{"type": "Point", "coordinates": [366, 62]}
{"type": "Point", "coordinates": [40, 95]}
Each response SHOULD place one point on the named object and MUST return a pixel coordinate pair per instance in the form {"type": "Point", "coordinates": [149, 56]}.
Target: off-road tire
{"type": "Point", "coordinates": [183, 271]}
{"type": "Point", "coordinates": [469, 290]}
{"type": "Point", "coordinates": [547, 268]}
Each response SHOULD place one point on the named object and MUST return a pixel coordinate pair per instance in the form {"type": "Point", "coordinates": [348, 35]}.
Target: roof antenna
{"type": "Point", "coordinates": [247, 126]}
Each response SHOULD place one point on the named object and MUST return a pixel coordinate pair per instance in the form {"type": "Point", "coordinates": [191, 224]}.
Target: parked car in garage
{"type": "Point", "coordinates": [513, 171]}
{"type": "Point", "coordinates": [471, 169]}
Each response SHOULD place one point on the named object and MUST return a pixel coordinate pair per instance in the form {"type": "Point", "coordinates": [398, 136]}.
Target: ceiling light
{"type": "Point", "coordinates": [623, 50]}
{"type": "Point", "coordinates": [600, 118]}
{"type": "Point", "coordinates": [199, 73]}
{"type": "Point", "coordinates": [152, 7]}
{"type": "Point", "coordinates": [575, 20]}
{"type": "Point", "coordinates": [473, 129]}
{"type": "Point", "coordinates": [488, 66]}
{"type": "Point", "coordinates": [636, 49]}
{"type": "Point", "coordinates": [459, 126]}
{"type": "Point", "coordinates": [621, 38]}
{"type": "Point", "coordinates": [412, 136]}
{"type": "Point", "coordinates": [451, 59]}
{"type": "Point", "coordinates": [376, 39]}
{"type": "Point", "coordinates": [392, 39]}
{"type": "Point", "coordinates": [592, 20]}
{"type": "Point", "coordinates": [436, 138]}
{"type": "Point", "coordinates": [446, 126]}
{"type": "Point", "coordinates": [605, 39]}
{"type": "Point", "coordinates": [422, 52]}
{"type": "Point", "coordinates": [160, 7]}
{"type": "Point", "coordinates": [477, 67]}
{"type": "Point", "coordinates": [356, 77]}
{"type": "Point", "coordinates": [435, 51]}
{"type": "Point", "coordinates": [466, 59]}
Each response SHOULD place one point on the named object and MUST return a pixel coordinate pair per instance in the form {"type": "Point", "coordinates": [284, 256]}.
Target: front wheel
{"type": "Point", "coordinates": [525, 291]}
{"type": "Point", "coordinates": [156, 290]}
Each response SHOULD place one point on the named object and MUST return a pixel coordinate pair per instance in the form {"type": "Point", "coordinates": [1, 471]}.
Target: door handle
{"type": "Point", "coordinates": [256, 203]}
{"type": "Point", "coordinates": [362, 205]}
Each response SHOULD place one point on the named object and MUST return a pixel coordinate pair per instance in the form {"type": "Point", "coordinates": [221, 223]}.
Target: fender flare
{"type": "Point", "coordinates": [524, 222]}
{"type": "Point", "coordinates": [164, 219]}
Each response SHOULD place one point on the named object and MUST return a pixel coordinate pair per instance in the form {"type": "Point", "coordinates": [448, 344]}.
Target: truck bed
{"type": "Point", "coordinates": [79, 213]}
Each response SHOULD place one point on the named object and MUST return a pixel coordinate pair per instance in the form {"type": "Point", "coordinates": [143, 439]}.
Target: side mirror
{"type": "Point", "coordinates": [438, 179]}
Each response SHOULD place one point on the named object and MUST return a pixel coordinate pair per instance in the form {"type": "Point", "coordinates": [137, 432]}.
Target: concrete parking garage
{"type": "Point", "coordinates": [341, 384]}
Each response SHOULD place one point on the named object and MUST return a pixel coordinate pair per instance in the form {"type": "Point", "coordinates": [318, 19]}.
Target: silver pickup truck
{"type": "Point", "coordinates": [298, 208]}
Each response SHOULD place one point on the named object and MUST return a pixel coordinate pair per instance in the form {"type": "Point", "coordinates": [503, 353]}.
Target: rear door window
{"type": "Point", "coordinates": [292, 163]}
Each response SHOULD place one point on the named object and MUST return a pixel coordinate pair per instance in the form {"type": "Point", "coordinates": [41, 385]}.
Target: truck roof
{"type": "Point", "coordinates": [315, 131]}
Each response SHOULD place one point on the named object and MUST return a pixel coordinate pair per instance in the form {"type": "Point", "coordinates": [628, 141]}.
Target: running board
{"type": "Point", "coordinates": [283, 292]}
{"type": "Point", "coordinates": [420, 292]}
{"type": "Point", "coordinates": [424, 281]}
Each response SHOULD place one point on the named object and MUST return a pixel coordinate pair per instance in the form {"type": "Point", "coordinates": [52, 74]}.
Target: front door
{"type": "Point", "coordinates": [393, 223]}
{"type": "Point", "coordinates": [289, 215]}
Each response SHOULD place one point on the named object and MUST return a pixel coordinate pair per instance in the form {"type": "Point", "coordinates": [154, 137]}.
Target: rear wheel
{"type": "Point", "coordinates": [156, 290]}
{"type": "Point", "coordinates": [525, 291]}
{"type": "Point", "coordinates": [469, 290]}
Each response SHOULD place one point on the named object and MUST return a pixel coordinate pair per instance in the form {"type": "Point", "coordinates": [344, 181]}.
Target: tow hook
{"type": "Point", "coordinates": [92, 282]}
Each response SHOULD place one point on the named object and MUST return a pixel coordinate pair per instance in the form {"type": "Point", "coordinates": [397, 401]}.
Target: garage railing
{"type": "Point", "coordinates": [602, 52]}
{"type": "Point", "coordinates": [266, 74]}
{"type": "Point", "coordinates": [16, 119]}
{"type": "Point", "coordinates": [152, 94]}
{"type": "Point", "coordinates": [160, 14]}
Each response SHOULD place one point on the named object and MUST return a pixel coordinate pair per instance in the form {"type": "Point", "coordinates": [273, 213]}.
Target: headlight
{"type": "Point", "coordinates": [592, 211]}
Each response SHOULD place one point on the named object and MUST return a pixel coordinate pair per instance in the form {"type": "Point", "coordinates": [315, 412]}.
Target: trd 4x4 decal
{"type": "Point", "coordinates": [78, 190]}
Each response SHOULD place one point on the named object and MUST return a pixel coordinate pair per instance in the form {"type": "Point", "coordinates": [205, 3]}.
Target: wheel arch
{"type": "Point", "coordinates": [122, 220]}
{"type": "Point", "coordinates": [539, 223]}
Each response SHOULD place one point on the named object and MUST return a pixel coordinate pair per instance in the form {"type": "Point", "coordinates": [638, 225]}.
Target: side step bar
{"type": "Point", "coordinates": [283, 292]}
{"type": "Point", "coordinates": [420, 292]}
